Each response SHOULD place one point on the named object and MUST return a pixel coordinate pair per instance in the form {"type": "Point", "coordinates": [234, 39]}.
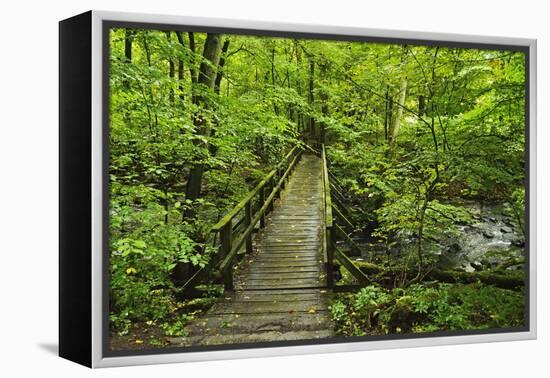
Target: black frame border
{"type": "Point", "coordinates": [75, 188]}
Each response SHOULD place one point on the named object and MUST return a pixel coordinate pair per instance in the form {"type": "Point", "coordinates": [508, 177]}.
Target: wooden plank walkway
{"type": "Point", "coordinates": [280, 289]}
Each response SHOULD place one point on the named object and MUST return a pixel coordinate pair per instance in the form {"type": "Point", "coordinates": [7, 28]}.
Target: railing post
{"type": "Point", "coordinates": [248, 221]}
{"type": "Point", "coordinates": [280, 172]}
{"type": "Point", "coordinates": [226, 244]}
{"type": "Point", "coordinates": [271, 187]}
{"type": "Point", "coordinates": [262, 201]}
{"type": "Point", "coordinates": [330, 231]}
{"type": "Point", "coordinates": [331, 241]}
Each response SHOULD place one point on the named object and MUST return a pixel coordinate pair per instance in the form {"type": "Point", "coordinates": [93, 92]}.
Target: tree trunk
{"type": "Point", "coordinates": [421, 105]}
{"type": "Point", "coordinates": [181, 72]}
{"type": "Point", "coordinates": [401, 102]}
{"type": "Point", "coordinates": [128, 36]}
{"type": "Point", "coordinates": [172, 68]}
{"type": "Point", "coordinates": [323, 96]}
{"type": "Point", "coordinates": [511, 281]}
{"type": "Point", "coordinates": [389, 119]}
{"type": "Point", "coordinates": [219, 75]}
{"type": "Point", "coordinates": [206, 78]}
{"type": "Point", "coordinates": [192, 69]}
{"type": "Point", "coordinates": [217, 85]}
{"type": "Point", "coordinates": [311, 97]}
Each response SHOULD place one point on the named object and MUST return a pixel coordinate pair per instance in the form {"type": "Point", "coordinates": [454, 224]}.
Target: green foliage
{"type": "Point", "coordinates": [409, 162]}
{"type": "Point", "coordinates": [418, 308]}
{"type": "Point", "coordinates": [516, 208]}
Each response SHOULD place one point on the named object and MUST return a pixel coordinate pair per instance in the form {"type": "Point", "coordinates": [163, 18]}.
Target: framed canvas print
{"type": "Point", "coordinates": [233, 189]}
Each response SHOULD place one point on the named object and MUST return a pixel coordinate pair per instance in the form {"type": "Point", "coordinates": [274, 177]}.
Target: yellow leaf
{"type": "Point", "coordinates": [131, 271]}
{"type": "Point", "coordinates": [312, 310]}
{"type": "Point", "coordinates": [139, 341]}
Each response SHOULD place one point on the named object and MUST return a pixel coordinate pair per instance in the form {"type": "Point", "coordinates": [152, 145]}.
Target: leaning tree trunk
{"type": "Point", "coordinates": [219, 75]}
{"type": "Point", "coordinates": [511, 281]}
{"type": "Point", "coordinates": [206, 78]}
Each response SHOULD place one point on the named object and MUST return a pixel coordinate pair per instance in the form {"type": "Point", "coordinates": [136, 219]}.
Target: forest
{"type": "Point", "coordinates": [426, 145]}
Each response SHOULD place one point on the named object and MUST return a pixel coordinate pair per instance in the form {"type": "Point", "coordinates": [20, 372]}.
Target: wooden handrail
{"type": "Point", "coordinates": [329, 240]}
{"type": "Point", "coordinates": [233, 237]}
{"type": "Point", "coordinates": [233, 212]}
{"type": "Point", "coordinates": [227, 262]}
{"type": "Point", "coordinates": [326, 183]}
{"type": "Point", "coordinates": [332, 229]}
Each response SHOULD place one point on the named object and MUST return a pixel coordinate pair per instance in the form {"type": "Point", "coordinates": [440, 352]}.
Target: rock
{"type": "Point", "coordinates": [454, 248]}
{"type": "Point", "coordinates": [508, 237]}
{"type": "Point", "coordinates": [488, 234]}
{"type": "Point", "coordinates": [519, 243]}
{"type": "Point", "coordinates": [493, 219]}
{"type": "Point", "coordinates": [493, 261]}
{"type": "Point", "coordinates": [506, 230]}
{"type": "Point", "coordinates": [467, 267]}
{"type": "Point", "coordinates": [515, 268]}
{"type": "Point", "coordinates": [477, 265]}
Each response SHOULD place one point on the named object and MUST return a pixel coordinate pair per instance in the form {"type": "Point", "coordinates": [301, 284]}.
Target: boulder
{"type": "Point", "coordinates": [488, 234]}
{"type": "Point", "coordinates": [506, 230]}
{"type": "Point", "coordinates": [454, 248]}
{"type": "Point", "coordinates": [519, 243]}
{"type": "Point", "coordinates": [477, 265]}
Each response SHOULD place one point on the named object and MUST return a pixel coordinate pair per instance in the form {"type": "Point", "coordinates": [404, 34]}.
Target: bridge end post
{"type": "Point", "coordinates": [226, 245]}
{"type": "Point", "coordinates": [262, 201]}
{"type": "Point", "coordinates": [248, 222]}
{"type": "Point", "coordinates": [331, 239]}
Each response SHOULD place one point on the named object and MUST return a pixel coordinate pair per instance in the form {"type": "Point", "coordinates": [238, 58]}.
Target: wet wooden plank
{"type": "Point", "coordinates": [256, 323]}
{"type": "Point", "coordinates": [268, 307]}
{"type": "Point", "coordinates": [283, 275]}
{"type": "Point", "coordinates": [231, 339]}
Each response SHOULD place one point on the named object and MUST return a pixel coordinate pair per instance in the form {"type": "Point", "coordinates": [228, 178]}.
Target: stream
{"type": "Point", "coordinates": [490, 240]}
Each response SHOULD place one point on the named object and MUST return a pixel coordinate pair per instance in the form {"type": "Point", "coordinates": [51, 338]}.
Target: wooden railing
{"type": "Point", "coordinates": [333, 216]}
{"type": "Point", "coordinates": [329, 241]}
{"type": "Point", "coordinates": [235, 229]}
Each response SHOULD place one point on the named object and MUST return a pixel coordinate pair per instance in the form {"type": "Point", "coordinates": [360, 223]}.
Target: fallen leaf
{"type": "Point", "coordinates": [312, 311]}
{"type": "Point", "coordinates": [139, 341]}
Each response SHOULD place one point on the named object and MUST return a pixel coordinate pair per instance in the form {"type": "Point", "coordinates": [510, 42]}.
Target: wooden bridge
{"type": "Point", "coordinates": [276, 258]}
